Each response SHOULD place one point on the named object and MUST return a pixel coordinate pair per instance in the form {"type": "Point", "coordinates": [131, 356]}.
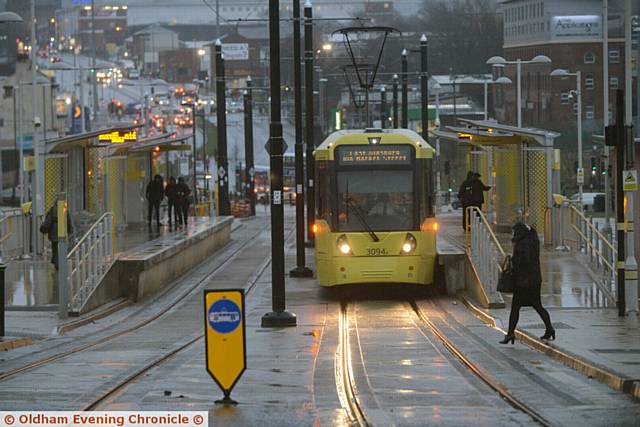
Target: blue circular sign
{"type": "Point", "coordinates": [224, 316]}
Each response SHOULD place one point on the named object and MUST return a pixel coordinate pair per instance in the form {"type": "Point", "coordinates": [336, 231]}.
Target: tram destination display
{"type": "Point", "coordinates": [360, 155]}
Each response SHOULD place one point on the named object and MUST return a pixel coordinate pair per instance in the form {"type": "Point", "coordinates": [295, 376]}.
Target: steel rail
{"type": "Point", "coordinates": [145, 322]}
{"type": "Point", "coordinates": [123, 384]}
{"type": "Point", "coordinates": [479, 372]}
{"type": "Point", "coordinates": [345, 381]}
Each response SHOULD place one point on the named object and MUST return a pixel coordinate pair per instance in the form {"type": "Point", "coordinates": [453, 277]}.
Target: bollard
{"type": "Point", "coordinates": [2, 269]}
{"type": "Point", "coordinates": [63, 283]}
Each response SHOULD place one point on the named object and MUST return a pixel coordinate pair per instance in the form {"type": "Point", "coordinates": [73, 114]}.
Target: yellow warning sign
{"type": "Point", "coordinates": [29, 163]}
{"type": "Point", "coordinates": [630, 180]}
{"type": "Point", "coordinates": [224, 325]}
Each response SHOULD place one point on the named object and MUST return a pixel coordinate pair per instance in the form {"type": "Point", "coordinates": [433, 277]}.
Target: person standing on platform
{"type": "Point", "coordinates": [464, 195]}
{"type": "Point", "coordinates": [172, 205]}
{"type": "Point", "coordinates": [525, 262]}
{"type": "Point", "coordinates": [477, 191]}
{"type": "Point", "coordinates": [183, 191]}
{"type": "Point", "coordinates": [50, 227]}
{"type": "Point", "coordinates": [155, 194]}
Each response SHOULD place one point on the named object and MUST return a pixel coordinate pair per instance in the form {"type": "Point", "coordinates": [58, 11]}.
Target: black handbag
{"type": "Point", "coordinates": [506, 282]}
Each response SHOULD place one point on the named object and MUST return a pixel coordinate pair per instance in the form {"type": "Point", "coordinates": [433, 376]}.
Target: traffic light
{"type": "Point", "coordinates": [594, 166]}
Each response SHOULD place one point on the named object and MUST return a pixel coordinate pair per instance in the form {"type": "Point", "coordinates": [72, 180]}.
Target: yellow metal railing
{"type": "Point", "coordinates": [592, 236]}
{"type": "Point", "coordinates": [485, 251]}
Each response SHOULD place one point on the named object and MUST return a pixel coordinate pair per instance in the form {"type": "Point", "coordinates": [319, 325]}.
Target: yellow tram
{"type": "Point", "coordinates": [375, 220]}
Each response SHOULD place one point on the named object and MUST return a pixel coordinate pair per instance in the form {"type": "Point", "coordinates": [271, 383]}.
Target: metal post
{"type": "Point", "coordinates": [63, 283]}
{"type": "Point", "coordinates": [309, 140]}
{"type": "Point", "coordinates": [83, 127]}
{"type": "Point", "coordinates": [279, 316]}
{"type": "Point", "coordinates": [605, 113]}
{"type": "Point", "coordinates": [519, 91]}
{"type": "Point", "coordinates": [300, 270]}
{"type": "Point", "coordinates": [36, 209]}
{"type": "Point", "coordinates": [367, 122]}
{"type": "Point", "coordinates": [405, 89]}
{"type": "Point", "coordinates": [395, 101]}
{"type": "Point", "coordinates": [322, 104]}
{"type": "Point", "coordinates": [2, 269]}
{"type": "Point", "coordinates": [221, 114]}
{"type": "Point", "coordinates": [424, 87]}
{"type": "Point", "coordinates": [630, 264]}
{"type": "Point", "coordinates": [486, 99]}
{"type": "Point", "coordinates": [195, 156]}
{"type": "Point", "coordinates": [383, 107]}
{"type": "Point", "coordinates": [579, 94]}
{"type": "Point", "coordinates": [248, 146]}
{"type": "Point", "coordinates": [620, 279]}
{"type": "Point", "coordinates": [94, 81]}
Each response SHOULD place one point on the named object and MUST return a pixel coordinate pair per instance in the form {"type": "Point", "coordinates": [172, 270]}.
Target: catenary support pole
{"type": "Point", "coordinates": [308, 131]}
{"type": "Point", "coordinates": [383, 107]}
{"type": "Point", "coordinates": [424, 88]}
{"type": "Point", "coordinates": [248, 146]}
{"type": "Point", "coordinates": [37, 208]}
{"type": "Point", "coordinates": [300, 270]}
{"type": "Point", "coordinates": [62, 232]}
{"type": "Point", "coordinates": [405, 91]}
{"type": "Point", "coordinates": [630, 263]}
{"type": "Point", "coordinates": [279, 316]}
{"type": "Point", "coordinates": [221, 116]}
{"type": "Point", "coordinates": [619, 134]}
{"type": "Point", "coordinates": [395, 101]}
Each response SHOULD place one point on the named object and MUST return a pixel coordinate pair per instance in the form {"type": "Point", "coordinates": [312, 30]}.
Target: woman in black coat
{"type": "Point", "coordinates": [528, 280]}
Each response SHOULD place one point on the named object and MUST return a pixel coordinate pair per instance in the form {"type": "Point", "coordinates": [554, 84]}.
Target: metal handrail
{"type": "Point", "coordinates": [483, 218]}
{"type": "Point", "coordinates": [484, 249]}
{"type": "Point", "coordinates": [602, 237]}
{"type": "Point", "coordinates": [88, 232]}
{"type": "Point", "coordinates": [90, 260]}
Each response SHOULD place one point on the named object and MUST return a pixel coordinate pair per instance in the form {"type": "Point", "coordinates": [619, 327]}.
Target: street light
{"type": "Point", "coordinates": [486, 83]}
{"type": "Point", "coordinates": [500, 61]}
{"type": "Point", "coordinates": [565, 73]}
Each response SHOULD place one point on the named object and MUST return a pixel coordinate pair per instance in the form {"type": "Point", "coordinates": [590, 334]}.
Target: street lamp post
{"type": "Point", "coordinates": [424, 88]}
{"type": "Point", "coordinates": [301, 269]}
{"type": "Point", "coordinates": [405, 89]}
{"type": "Point", "coordinates": [383, 107]}
{"type": "Point", "coordinates": [499, 60]}
{"type": "Point", "coordinates": [278, 317]}
{"type": "Point", "coordinates": [486, 83]}
{"type": "Point", "coordinates": [577, 74]}
{"type": "Point", "coordinates": [309, 140]}
{"type": "Point", "coordinates": [248, 146]}
{"type": "Point", "coordinates": [221, 115]}
{"type": "Point", "coordinates": [395, 101]}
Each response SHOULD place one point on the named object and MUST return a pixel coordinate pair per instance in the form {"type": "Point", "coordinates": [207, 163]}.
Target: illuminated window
{"type": "Point", "coordinates": [589, 82]}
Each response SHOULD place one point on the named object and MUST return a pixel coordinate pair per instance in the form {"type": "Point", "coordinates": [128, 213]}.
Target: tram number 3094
{"type": "Point", "coordinates": [376, 251]}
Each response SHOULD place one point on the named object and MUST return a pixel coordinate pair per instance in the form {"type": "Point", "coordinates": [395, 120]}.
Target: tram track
{"type": "Point", "coordinates": [480, 373]}
{"type": "Point", "coordinates": [106, 396]}
{"type": "Point", "coordinates": [145, 322]}
{"type": "Point", "coordinates": [345, 380]}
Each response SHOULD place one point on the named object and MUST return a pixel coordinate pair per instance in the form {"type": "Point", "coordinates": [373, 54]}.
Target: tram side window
{"type": "Point", "coordinates": [324, 190]}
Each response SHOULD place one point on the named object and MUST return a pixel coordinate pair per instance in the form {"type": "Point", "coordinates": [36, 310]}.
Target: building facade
{"type": "Point", "coordinates": [570, 33]}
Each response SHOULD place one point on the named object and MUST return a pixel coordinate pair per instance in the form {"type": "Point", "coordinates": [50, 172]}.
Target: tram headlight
{"type": "Point", "coordinates": [343, 245]}
{"type": "Point", "coordinates": [409, 244]}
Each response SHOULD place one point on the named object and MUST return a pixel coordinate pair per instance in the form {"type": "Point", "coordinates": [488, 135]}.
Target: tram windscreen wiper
{"type": "Point", "coordinates": [358, 210]}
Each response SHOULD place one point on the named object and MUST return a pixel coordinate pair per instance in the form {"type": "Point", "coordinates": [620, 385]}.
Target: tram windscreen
{"type": "Point", "coordinates": [380, 200]}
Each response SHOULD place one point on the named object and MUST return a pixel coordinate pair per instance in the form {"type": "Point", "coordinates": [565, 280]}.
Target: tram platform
{"type": "Point", "coordinates": [31, 285]}
{"type": "Point", "coordinates": [591, 338]}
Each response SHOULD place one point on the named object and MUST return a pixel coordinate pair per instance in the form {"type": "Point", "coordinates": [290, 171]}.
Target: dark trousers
{"type": "Point", "coordinates": [185, 212]}
{"type": "Point", "coordinates": [54, 253]}
{"type": "Point", "coordinates": [514, 316]}
{"type": "Point", "coordinates": [176, 210]}
{"type": "Point", "coordinates": [153, 205]}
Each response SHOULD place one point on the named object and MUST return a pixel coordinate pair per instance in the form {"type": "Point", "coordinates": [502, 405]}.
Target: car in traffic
{"type": "Point", "coordinates": [588, 200]}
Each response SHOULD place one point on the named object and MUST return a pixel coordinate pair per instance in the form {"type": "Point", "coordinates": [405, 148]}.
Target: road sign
{"type": "Point", "coordinates": [580, 176]}
{"type": "Point", "coordinates": [630, 180]}
{"type": "Point", "coordinates": [267, 146]}
{"type": "Point", "coordinates": [225, 340]}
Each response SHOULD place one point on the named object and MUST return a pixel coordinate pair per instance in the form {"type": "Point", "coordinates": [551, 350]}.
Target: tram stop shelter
{"type": "Point", "coordinates": [107, 170]}
{"type": "Point", "coordinates": [520, 165]}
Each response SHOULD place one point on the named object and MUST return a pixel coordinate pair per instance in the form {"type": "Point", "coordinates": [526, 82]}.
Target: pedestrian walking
{"type": "Point", "coordinates": [50, 227]}
{"type": "Point", "coordinates": [464, 195]}
{"type": "Point", "coordinates": [525, 262]}
{"type": "Point", "coordinates": [172, 205]}
{"type": "Point", "coordinates": [477, 191]}
{"type": "Point", "coordinates": [155, 194]}
{"type": "Point", "coordinates": [183, 191]}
